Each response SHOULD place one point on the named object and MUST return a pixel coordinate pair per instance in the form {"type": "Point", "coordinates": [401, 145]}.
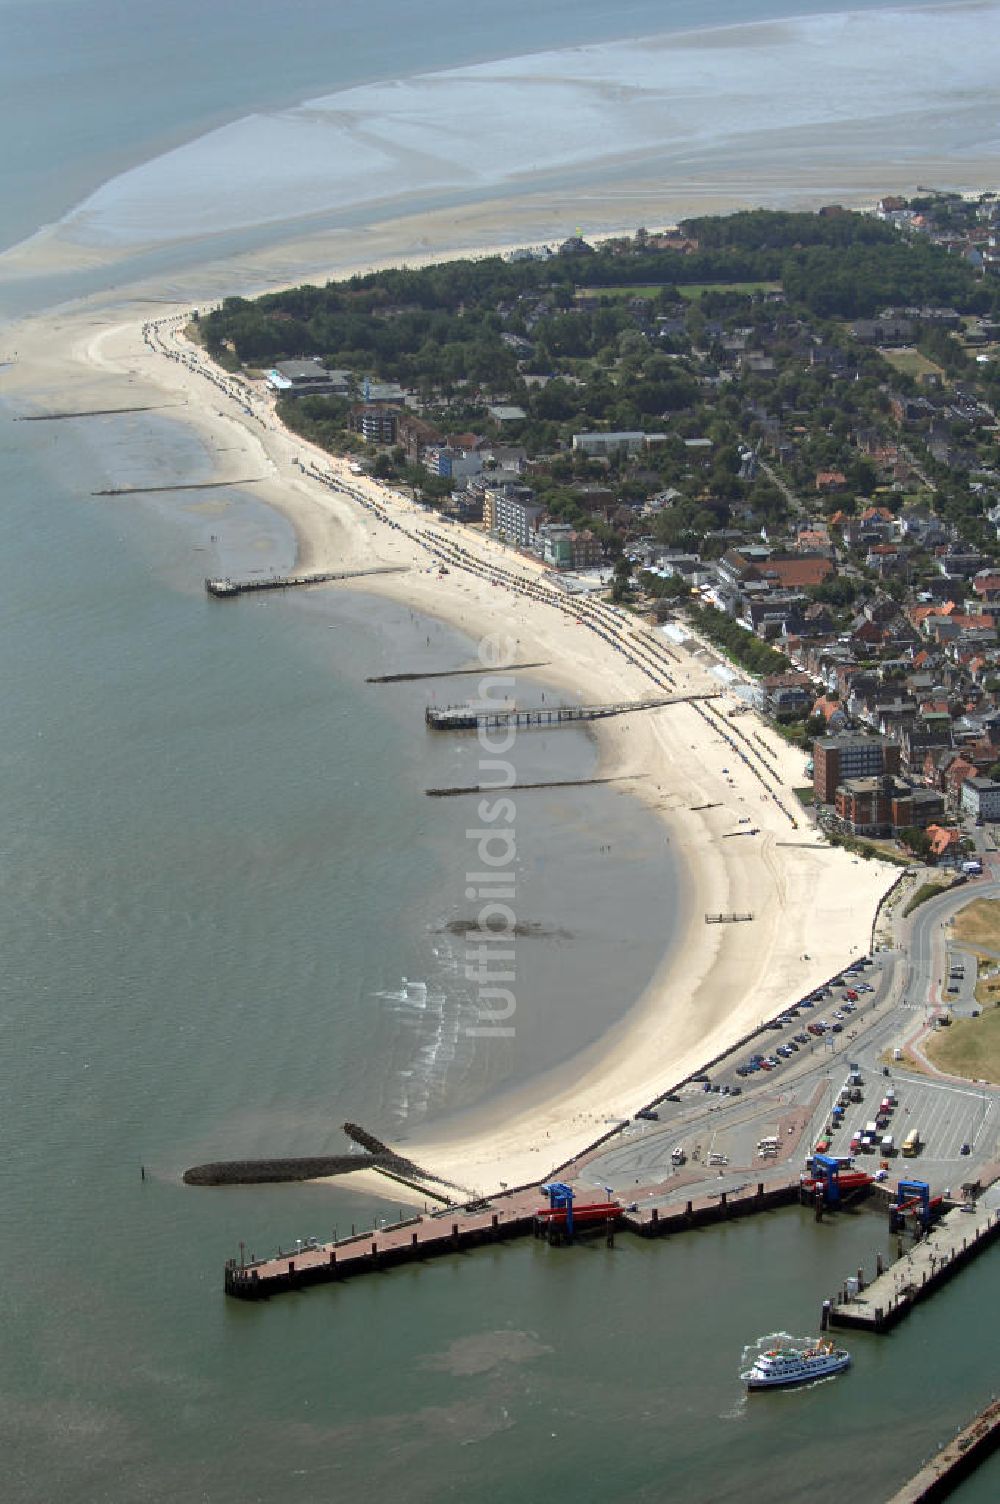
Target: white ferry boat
{"type": "Point", "coordinates": [781, 1367]}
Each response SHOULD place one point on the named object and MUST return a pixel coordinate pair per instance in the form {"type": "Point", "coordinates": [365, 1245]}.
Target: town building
{"type": "Point", "coordinates": [839, 758]}
{"type": "Point", "coordinates": [307, 378]}
{"type": "Point", "coordinates": [511, 513]}
{"type": "Point", "coordinates": [376, 425]}
{"type": "Point", "coordinates": [565, 547]}
{"type": "Point", "coordinates": [784, 695]}
{"type": "Point", "coordinates": [602, 445]}
{"type": "Point", "coordinates": [884, 805]}
{"type": "Point", "coordinates": [980, 798]}
{"type": "Point", "coordinates": [451, 464]}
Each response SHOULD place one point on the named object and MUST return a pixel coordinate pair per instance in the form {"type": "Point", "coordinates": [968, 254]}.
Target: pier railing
{"type": "Point", "coordinates": [469, 717]}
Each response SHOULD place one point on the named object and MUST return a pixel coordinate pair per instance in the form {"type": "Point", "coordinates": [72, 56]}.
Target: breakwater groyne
{"type": "Point", "coordinates": [451, 673]}
{"type": "Point", "coordinates": [180, 485]}
{"type": "Point", "coordinates": [224, 588]}
{"type": "Point", "coordinates": [275, 1171]}
{"type": "Point", "coordinates": [551, 783]}
{"type": "Point", "coordinates": [954, 1462]}
{"type": "Point", "coordinates": [94, 412]}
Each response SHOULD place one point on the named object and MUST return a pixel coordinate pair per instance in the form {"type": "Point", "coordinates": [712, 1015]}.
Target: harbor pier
{"type": "Point", "coordinates": [953, 1242]}
{"type": "Point", "coordinates": [417, 1238]}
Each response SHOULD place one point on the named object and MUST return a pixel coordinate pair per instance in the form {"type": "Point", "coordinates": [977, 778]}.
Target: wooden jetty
{"type": "Point", "coordinates": [949, 1246]}
{"type": "Point", "coordinates": [728, 918]}
{"type": "Point", "coordinates": [469, 717]}
{"type": "Point", "coordinates": [225, 588]}
{"type": "Point", "coordinates": [954, 1462]}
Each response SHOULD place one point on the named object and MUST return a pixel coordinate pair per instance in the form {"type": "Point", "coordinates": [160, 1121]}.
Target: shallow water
{"type": "Point", "coordinates": [217, 866]}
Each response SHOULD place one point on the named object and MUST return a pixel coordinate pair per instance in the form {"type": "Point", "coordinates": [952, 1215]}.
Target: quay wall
{"type": "Point", "coordinates": [883, 1318]}
{"type": "Point", "coordinates": [706, 1211]}
{"type": "Point", "coordinates": [942, 1475]}
{"type": "Point", "coordinates": [364, 1254]}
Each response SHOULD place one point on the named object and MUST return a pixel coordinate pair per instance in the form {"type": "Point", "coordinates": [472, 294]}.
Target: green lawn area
{"type": "Point", "coordinates": [689, 291]}
{"type": "Point", "coordinates": [970, 1047]}
{"type": "Point", "coordinates": [693, 290]}
{"type": "Point", "coordinates": [911, 363]}
{"type": "Point", "coordinates": [620, 294]}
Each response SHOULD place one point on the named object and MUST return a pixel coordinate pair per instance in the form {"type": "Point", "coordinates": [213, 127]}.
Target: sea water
{"type": "Point", "coordinates": [218, 866]}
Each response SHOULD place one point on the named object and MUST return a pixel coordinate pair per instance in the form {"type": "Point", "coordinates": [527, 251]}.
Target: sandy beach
{"type": "Point", "coordinates": [812, 905]}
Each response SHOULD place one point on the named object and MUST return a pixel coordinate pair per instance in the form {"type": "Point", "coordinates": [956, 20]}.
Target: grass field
{"type": "Point", "coordinates": [689, 291]}
{"type": "Point", "coordinates": [970, 1047]}
{"type": "Point", "coordinates": [979, 924]}
{"type": "Point", "coordinates": [911, 363]}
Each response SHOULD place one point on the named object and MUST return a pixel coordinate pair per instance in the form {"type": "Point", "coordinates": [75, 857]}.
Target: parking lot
{"type": "Point", "coordinates": [720, 1130]}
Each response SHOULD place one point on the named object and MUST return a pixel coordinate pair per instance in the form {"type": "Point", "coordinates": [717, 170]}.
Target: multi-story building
{"type": "Point", "coordinates": [599, 445]}
{"type": "Point", "coordinates": [376, 425]}
{"type": "Point", "coordinates": [981, 799]}
{"type": "Point", "coordinates": [452, 464]}
{"type": "Point", "coordinates": [838, 758]}
{"type": "Point", "coordinates": [512, 513]}
{"type": "Point", "coordinates": [565, 547]}
{"type": "Point", "coordinates": [882, 806]}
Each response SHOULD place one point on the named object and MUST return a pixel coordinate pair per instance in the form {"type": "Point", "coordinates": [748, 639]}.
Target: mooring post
{"type": "Point", "coordinates": [609, 1229]}
{"type": "Point", "coordinates": [879, 1267]}
{"type": "Point", "coordinates": [861, 1280]}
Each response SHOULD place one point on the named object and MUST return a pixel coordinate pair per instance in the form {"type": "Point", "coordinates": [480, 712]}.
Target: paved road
{"type": "Point", "coordinates": [794, 1102]}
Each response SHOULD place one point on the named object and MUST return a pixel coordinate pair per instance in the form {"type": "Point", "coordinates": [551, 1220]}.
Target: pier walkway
{"type": "Point", "coordinates": [468, 718]}
{"type": "Point", "coordinates": [224, 588]}
{"type": "Point", "coordinates": [951, 1243]}
{"type": "Point", "coordinates": [416, 1238]}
